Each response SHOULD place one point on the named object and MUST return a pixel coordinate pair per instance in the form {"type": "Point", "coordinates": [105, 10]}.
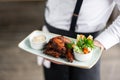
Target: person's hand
{"type": "Point", "coordinates": [46, 62]}
{"type": "Point", "coordinates": [98, 44]}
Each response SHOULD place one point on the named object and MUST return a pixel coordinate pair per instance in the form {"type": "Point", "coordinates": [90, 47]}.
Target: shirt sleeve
{"type": "Point", "coordinates": [111, 36]}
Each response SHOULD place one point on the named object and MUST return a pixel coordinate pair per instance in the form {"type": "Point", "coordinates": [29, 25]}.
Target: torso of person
{"type": "Point", "coordinates": [93, 14]}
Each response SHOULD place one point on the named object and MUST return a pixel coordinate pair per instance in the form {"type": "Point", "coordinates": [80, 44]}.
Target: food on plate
{"type": "Point", "coordinates": [80, 49]}
{"type": "Point", "coordinates": [56, 47]}
{"type": "Point", "coordinates": [37, 41]}
{"type": "Point", "coordinates": [83, 47]}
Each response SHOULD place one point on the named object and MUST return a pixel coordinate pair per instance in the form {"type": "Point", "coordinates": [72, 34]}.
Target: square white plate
{"type": "Point", "coordinates": [25, 45]}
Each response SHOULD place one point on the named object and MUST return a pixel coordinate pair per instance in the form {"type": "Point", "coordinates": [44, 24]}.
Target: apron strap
{"type": "Point", "coordinates": [75, 15]}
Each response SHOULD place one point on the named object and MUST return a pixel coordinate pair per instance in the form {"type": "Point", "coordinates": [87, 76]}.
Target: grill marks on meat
{"type": "Point", "coordinates": [69, 55]}
{"type": "Point", "coordinates": [56, 48]}
{"type": "Point", "coordinates": [52, 53]}
{"type": "Point", "coordinates": [56, 45]}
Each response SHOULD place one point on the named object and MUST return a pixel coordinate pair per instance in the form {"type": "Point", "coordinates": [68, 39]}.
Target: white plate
{"type": "Point", "coordinates": [25, 45]}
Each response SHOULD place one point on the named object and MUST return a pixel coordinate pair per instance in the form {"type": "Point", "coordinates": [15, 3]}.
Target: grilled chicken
{"type": "Point", "coordinates": [56, 47]}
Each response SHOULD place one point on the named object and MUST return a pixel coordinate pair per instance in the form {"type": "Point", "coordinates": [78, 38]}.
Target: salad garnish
{"type": "Point", "coordinates": [84, 44]}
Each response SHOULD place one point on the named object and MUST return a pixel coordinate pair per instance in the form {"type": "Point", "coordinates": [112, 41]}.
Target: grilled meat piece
{"type": "Point", "coordinates": [58, 44]}
{"type": "Point", "coordinates": [52, 53]}
{"type": "Point", "coordinates": [69, 55]}
{"type": "Point", "coordinates": [56, 47]}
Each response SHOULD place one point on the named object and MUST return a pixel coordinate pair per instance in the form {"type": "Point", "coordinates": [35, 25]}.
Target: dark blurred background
{"type": "Point", "coordinates": [18, 18]}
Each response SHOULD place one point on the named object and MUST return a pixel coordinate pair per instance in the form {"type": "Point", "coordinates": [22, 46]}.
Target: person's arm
{"type": "Point", "coordinates": [111, 35]}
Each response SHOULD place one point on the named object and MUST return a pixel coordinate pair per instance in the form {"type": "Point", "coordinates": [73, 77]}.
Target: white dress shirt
{"type": "Point", "coordinates": [111, 36]}
{"type": "Point", "coordinates": [93, 16]}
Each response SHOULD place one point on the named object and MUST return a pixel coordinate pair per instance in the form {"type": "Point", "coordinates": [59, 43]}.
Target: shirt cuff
{"type": "Point", "coordinates": [107, 39]}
